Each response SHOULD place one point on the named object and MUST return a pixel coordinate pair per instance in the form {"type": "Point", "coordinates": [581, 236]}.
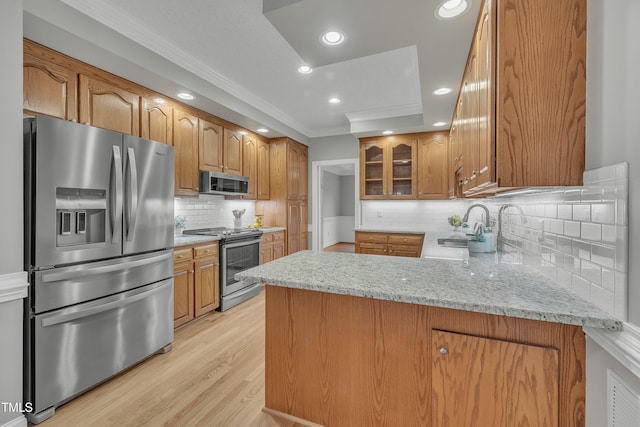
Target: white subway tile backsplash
{"type": "Point", "coordinates": [591, 231]}
{"type": "Point", "coordinates": [603, 213]}
{"type": "Point", "coordinates": [572, 228]}
{"type": "Point", "coordinates": [609, 279]}
{"type": "Point", "coordinates": [603, 298]}
{"type": "Point", "coordinates": [565, 211]}
{"type": "Point", "coordinates": [581, 286]}
{"type": "Point", "coordinates": [581, 212]}
{"type": "Point", "coordinates": [591, 272]}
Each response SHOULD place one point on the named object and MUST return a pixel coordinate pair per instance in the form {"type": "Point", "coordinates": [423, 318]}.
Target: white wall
{"type": "Point", "coordinates": [613, 136]}
{"type": "Point", "coordinates": [11, 257]}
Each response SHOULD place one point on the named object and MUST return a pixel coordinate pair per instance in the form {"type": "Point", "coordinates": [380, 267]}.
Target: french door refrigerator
{"type": "Point", "coordinates": [98, 249]}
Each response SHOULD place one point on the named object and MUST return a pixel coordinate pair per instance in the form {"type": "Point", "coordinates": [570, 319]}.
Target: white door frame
{"type": "Point", "coordinates": [317, 168]}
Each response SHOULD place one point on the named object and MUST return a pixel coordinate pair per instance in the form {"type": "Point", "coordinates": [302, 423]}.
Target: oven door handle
{"type": "Point", "coordinates": [239, 244]}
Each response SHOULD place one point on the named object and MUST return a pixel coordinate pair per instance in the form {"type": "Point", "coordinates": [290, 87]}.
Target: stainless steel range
{"type": "Point", "coordinates": [239, 250]}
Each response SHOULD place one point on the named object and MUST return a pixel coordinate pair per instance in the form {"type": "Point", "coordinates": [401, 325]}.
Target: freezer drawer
{"type": "Point", "coordinates": [61, 287]}
{"type": "Point", "coordinates": [75, 348]}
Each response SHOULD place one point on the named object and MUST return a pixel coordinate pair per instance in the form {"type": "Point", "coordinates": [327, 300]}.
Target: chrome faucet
{"type": "Point", "coordinates": [504, 208]}
{"type": "Point", "coordinates": [478, 205]}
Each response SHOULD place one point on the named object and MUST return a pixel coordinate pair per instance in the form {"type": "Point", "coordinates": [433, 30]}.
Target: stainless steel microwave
{"type": "Point", "coordinates": [223, 183]}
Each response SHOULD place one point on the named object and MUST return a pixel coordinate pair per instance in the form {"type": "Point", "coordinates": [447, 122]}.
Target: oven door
{"type": "Point", "coordinates": [237, 256]}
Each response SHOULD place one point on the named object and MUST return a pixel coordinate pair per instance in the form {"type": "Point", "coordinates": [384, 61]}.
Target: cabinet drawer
{"type": "Point", "coordinates": [406, 239]}
{"type": "Point", "coordinates": [405, 250]}
{"type": "Point", "coordinates": [180, 255]}
{"type": "Point", "coordinates": [267, 238]}
{"type": "Point", "coordinates": [206, 250]}
{"type": "Point", "coordinates": [278, 236]}
{"type": "Point", "coordinates": [371, 237]}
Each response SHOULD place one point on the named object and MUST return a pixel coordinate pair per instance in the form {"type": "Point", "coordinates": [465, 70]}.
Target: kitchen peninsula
{"type": "Point", "coordinates": [369, 340]}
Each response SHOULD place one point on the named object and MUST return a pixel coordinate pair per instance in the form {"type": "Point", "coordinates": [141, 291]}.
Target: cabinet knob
{"type": "Point", "coordinates": [180, 256]}
{"type": "Point", "coordinates": [443, 351]}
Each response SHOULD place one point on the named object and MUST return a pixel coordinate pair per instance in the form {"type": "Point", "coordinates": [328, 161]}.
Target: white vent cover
{"type": "Point", "coordinates": [623, 409]}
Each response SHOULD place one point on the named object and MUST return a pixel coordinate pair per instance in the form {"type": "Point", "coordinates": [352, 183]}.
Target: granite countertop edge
{"type": "Point", "coordinates": [435, 294]}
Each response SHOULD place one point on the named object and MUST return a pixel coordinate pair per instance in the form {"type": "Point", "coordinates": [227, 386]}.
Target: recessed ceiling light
{"type": "Point", "coordinates": [305, 69]}
{"type": "Point", "coordinates": [159, 101]}
{"type": "Point", "coordinates": [185, 95]}
{"type": "Point", "coordinates": [333, 38]}
{"type": "Point", "coordinates": [438, 124]}
{"type": "Point", "coordinates": [451, 8]}
{"type": "Point", "coordinates": [262, 130]}
{"type": "Point", "coordinates": [334, 101]}
{"type": "Point", "coordinates": [387, 132]}
{"type": "Point", "coordinates": [442, 91]}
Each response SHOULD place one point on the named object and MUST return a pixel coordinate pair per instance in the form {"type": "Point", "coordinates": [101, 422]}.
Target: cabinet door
{"type": "Point", "coordinates": [210, 146]}
{"type": "Point", "coordinates": [185, 142]}
{"type": "Point", "coordinates": [470, 135]}
{"type": "Point", "coordinates": [183, 310]}
{"type": "Point", "coordinates": [453, 157]}
{"type": "Point", "coordinates": [487, 382]}
{"type": "Point", "coordinates": [404, 250]}
{"type": "Point", "coordinates": [371, 248]}
{"type": "Point", "coordinates": [303, 173]}
{"type": "Point", "coordinates": [157, 121]}
{"type": "Point", "coordinates": [263, 170]}
{"type": "Point", "coordinates": [48, 88]}
{"type": "Point", "coordinates": [250, 164]}
{"type": "Point", "coordinates": [486, 100]}
{"type": "Point", "coordinates": [304, 225]}
{"type": "Point", "coordinates": [278, 249]}
{"type": "Point", "coordinates": [432, 168]}
{"type": "Point", "coordinates": [266, 253]}
{"type": "Point", "coordinates": [402, 170]}
{"type": "Point", "coordinates": [107, 106]}
{"type": "Point", "coordinates": [293, 171]}
{"type": "Point", "coordinates": [207, 285]}
{"type": "Point", "coordinates": [293, 227]}
{"type": "Point", "coordinates": [372, 170]}
{"type": "Point", "coordinates": [232, 152]}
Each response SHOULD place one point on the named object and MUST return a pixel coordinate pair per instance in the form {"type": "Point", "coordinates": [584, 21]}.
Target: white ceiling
{"type": "Point", "coordinates": [242, 64]}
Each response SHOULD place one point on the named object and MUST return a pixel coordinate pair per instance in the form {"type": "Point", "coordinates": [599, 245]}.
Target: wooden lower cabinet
{"type": "Point", "coordinates": [487, 382]}
{"type": "Point", "coordinates": [196, 281]}
{"type": "Point", "coordinates": [341, 360]}
{"type": "Point", "coordinates": [392, 244]}
{"type": "Point", "coordinates": [272, 246]}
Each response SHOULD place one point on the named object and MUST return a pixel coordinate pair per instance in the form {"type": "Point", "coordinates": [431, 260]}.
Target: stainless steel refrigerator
{"type": "Point", "coordinates": [98, 249]}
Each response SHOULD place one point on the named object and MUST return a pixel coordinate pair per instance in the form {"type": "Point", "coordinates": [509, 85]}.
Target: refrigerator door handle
{"type": "Point", "coordinates": [92, 271]}
{"type": "Point", "coordinates": [132, 186]}
{"type": "Point", "coordinates": [116, 213]}
{"type": "Point", "coordinates": [65, 318]}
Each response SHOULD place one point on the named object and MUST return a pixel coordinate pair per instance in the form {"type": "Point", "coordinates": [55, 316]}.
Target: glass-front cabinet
{"type": "Point", "coordinates": [387, 168]}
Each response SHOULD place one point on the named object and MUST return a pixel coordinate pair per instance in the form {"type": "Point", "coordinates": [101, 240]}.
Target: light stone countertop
{"type": "Point", "coordinates": [488, 283]}
{"type": "Point", "coordinates": [192, 239]}
{"type": "Point", "coordinates": [272, 229]}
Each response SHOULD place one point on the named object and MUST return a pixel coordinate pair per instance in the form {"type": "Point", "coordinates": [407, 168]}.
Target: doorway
{"type": "Point", "coordinates": [335, 202]}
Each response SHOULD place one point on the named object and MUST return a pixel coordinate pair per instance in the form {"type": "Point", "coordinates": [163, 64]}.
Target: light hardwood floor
{"type": "Point", "coordinates": [341, 247]}
{"type": "Point", "coordinates": [213, 376]}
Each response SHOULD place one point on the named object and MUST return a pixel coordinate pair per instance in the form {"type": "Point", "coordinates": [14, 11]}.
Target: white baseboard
{"type": "Point", "coordinates": [13, 286]}
{"type": "Point", "coordinates": [624, 345]}
{"type": "Point", "coordinates": [20, 421]}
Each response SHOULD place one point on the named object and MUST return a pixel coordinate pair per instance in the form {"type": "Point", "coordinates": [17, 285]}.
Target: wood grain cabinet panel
{"type": "Point", "coordinates": [156, 121]}
{"type": "Point", "coordinates": [432, 165]}
{"type": "Point", "coordinates": [272, 246]}
{"type": "Point", "coordinates": [521, 109]}
{"type": "Point", "coordinates": [232, 151]}
{"type": "Point", "coordinates": [183, 291]}
{"type": "Point", "coordinates": [263, 192]}
{"type": "Point", "coordinates": [487, 382]}
{"type": "Point", "coordinates": [210, 146]}
{"type": "Point", "coordinates": [250, 164]}
{"type": "Point", "coordinates": [48, 88]}
{"type": "Point", "coordinates": [207, 285]}
{"type": "Point", "coordinates": [185, 143]}
{"type": "Point", "coordinates": [392, 244]}
{"type": "Point", "coordinates": [105, 105]}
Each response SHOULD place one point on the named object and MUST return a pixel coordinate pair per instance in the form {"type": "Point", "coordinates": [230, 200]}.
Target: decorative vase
{"type": "Point", "coordinates": [457, 229]}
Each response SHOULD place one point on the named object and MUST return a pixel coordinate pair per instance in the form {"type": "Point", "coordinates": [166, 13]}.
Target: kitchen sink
{"type": "Point", "coordinates": [453, 242]}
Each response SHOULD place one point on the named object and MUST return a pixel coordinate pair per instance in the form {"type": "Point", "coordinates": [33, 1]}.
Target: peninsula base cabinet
{"type": "Point", "coordinates": [196, 282]}
{"type": "Point", "coordinates": [340, 360]}
{"type": "Point", "coordinates": [392, 244]}
{"type": "Point", "coordinates": [272, 246]}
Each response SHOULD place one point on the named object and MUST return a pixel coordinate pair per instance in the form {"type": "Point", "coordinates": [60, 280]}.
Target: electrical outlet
{"type": "Point", "coordinates": [379, 214]}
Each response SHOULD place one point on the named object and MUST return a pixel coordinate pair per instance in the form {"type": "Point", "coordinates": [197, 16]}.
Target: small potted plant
{"type": "Point", "coordinates": [455, 221]}
{"type": "Point", "coordinates": [477, 240]}
{"type": "Point", "coordinates": [181, 224]}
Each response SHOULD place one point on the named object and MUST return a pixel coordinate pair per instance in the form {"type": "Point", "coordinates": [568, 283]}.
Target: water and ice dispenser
{"type": "Point", "coordinates": [80, 214]}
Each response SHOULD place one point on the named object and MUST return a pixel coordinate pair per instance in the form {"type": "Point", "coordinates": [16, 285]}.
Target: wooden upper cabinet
{"type": "Point", "coordinates": [433, 166]}
{"type": "Point", "coordinates": [185, 142]}
{"type": "Point", "coordinates": [521, 108]}
{"type": "Point", "coordinates": [297, 164]}
{"type": "Point", "coordinates": [232, 151]}
{"type": "Point", "coordinates": [454, 158]}
{"type": "Point", "coordinates": [156, 121]}
{"type": "Point", "coordinates": [48, 88]}
{"type": "Point", "coordinates": [107, 106]}
{"type": "Point", "coordinates": [210, 146]}
{"type": "Point", "coordinates": [388, 168]}
{"type": "Point", "coordinates": [263, 192]}
{"type": "Point", "coordinates": [250, 163]}
{"type": "Point", "coordinates": [489, 382]}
